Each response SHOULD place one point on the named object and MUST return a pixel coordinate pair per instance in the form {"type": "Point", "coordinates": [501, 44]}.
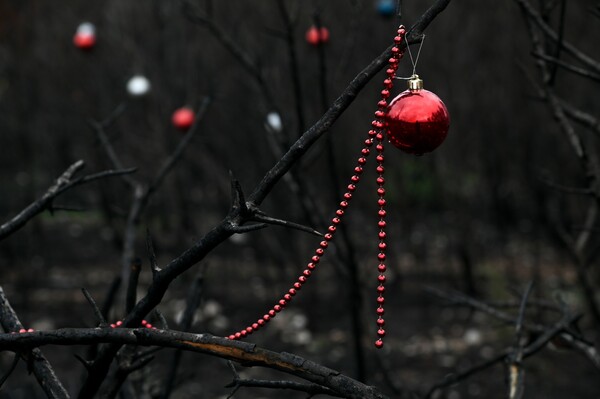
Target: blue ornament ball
{"type": "Point", "coordinates": [386, 8]}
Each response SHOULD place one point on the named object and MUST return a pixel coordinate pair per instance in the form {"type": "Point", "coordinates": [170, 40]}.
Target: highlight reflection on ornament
{"type": "Point", "coordinates": [417, 120]}
{"type": "Point", "coordinates": [85, 36]}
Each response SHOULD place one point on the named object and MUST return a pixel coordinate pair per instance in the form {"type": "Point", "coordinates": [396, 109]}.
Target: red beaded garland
{"type": "Point", "coordinates": [374, 135]}
{"type": "Point", "coordinates": [382, 246]}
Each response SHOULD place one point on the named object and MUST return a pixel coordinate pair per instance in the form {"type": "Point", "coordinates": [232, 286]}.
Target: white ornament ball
{"type": "Point", "coordinates": [274, 121]}
{"type": "Point", "coordinates": [138, 85]}
{"type": "Point", "coordinates": [86, 28]}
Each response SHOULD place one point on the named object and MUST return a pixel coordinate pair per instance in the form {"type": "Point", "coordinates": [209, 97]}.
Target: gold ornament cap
{"type": "Point", "coordinates": [415, 83]}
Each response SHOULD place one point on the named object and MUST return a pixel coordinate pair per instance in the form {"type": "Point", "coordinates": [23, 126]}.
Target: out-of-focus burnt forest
{"type": "Point", "coordinates": [492, 281]}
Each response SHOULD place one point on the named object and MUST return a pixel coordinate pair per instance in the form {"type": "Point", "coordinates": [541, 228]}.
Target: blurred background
{"type": "Point", "coordinates": [478, 215]}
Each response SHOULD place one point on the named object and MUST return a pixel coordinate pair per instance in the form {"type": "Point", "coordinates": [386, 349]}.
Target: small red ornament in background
{"type": "Point", "coordinates": [84, 41]}
{"type": "Point", "coordinates": [183, 118]}
{"type": "Point", "coordinates": [316, 36]}
{"type": "Point", "coordinates": [85, 36]}
{"type": "Point", "coordinates": [417, 120]}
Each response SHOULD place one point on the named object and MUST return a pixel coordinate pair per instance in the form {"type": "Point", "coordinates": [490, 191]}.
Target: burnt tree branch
{"type": "Point", "coordinates": [244, 353]}
{"type": "Point", "coordinates": [64, 183]}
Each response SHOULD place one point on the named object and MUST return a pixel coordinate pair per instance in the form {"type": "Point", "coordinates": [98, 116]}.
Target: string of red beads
{"type": "Point", "coordinates": [379, 121]}
{"type": "Point", "coordinates": [319, 252]}
{"type": "Point", "coordinates": [375, 133]}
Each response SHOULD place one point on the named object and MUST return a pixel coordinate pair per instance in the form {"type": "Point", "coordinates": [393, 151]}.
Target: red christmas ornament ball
{"type": "Point", "coordinates": [417, 121]}
{"type": "Point", "coordinates": [312, 36]}
{"type": "Point", "coordinates": [84, 40]}
{"type": "Point", "coordinates": [183, 118]}
{"type": "Point", "coordinates": [315, 36]}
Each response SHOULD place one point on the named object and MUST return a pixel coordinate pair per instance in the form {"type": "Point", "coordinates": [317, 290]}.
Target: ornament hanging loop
{"type": "Point", "coordinates": [415, 61]}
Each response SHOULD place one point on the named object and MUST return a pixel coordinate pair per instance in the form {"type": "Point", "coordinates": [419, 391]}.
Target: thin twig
{"type": "Point", "coordinates": [311, 389]}
{"type": "Point", "coordinates": [569, 67]}
{"type": "Point", "coordinates": [151, 254]}
{"type": "Point", "coordinates": [85, 363]}
{"type": "Point", "coordinates": [516, 373]}
{"type": "Point", "coordinates": [97, 312]}
{"type": "Point", "coordinates": [561, 31]}
{"type": "Point", "coordinates": [567, 128]}
{"type": "Point", "coordinates": [107, 304]}
{"type": "Point", "coordinates": [595, 10]}
{"type": "Point", "coordinates": [131, 297]}
{"type": "Point", "coordinates": [146, 352]}
{"type": "Point", "coordinates": [563, 188]}
{"type": "Point", "coordinates": [238, 198]}
{"type": "Point", "coordinates": [41, 204]}
{"type": "Point", "coordinates": [64, 183]}
{"type": "Point", "coordinates": [111, 294]}
{"type": "Point", "coordinates": [100, 129]}
{"type": "Point", "coordinates": [107, 122]}
{"type": "Point", "coordinates": [128, 363]}
{"type": "Point", "coordinates": [285, 223]}
{"type": "Point", "coordinates": [161, 319]}
{"type": "Point", "coordinates": [12, 368]}
{"type": "Point", "coordinates": [293, 63]}
{"type": "Point", "coordinates": [192, 303]}
{"type": "Point", "coordinates": [581, 117]}
{"type": "Point", "coordinates": [98, 176]}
